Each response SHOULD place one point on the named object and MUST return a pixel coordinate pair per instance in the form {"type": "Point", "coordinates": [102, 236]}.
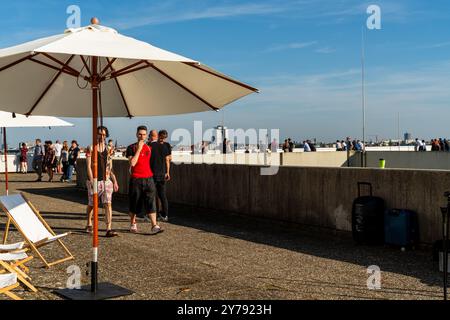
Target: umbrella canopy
{"type": "Point", "coordinates": [7, 120]}
{"type": "Point", "coordinates": [10, 120]}
{"type": "Point", "coordinates": [137, 79]}
{"type": "Point", "coordinates": [94, 71]}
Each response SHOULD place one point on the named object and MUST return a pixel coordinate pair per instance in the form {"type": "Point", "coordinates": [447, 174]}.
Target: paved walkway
{"type": "Point", "coordinates": [208, 255]}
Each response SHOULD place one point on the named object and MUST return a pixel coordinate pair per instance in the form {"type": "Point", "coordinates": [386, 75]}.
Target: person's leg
{"type": "Point", "coordinates": [132, 203]}
{"type": "Point", "coordinates": [149, 200]}
{"type": "Point", "coordinates": [50, 173]}
{"type": "Point", "coordinates": [108, 216]}
{"type": "Point", "coordinates": [39, 164]}
{"type": "Point", "coordinates": [161, 190]}
{"type": "Point", "coordinates": [69, 173]}
{"type": "Point", "coordinates": [25, 167]}
{"type": "Point", "coordinates": [106, 197]}
{"type": "Point", "coordinates": [58, 166]}
{"type": "Point", "coordinates": [90, 206]}
{"type": "Point", "coordinates": [89, 213]}
{"type": "Point", "coordinates": [152, 216]}
{"type": "Point", "coordinates": [65, 170]}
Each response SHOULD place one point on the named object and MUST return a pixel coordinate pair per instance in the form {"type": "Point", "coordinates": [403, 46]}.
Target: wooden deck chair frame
{"type": "Point", "coordinates": [35, 246]}
{"type": "Point", "coordinates": [21, 276]}
{"type": "Point", "coordinates": [7, 291]}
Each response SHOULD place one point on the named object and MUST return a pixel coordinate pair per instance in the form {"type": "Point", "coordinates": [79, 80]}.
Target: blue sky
{"type": "Point", "coordinates": [304, 56]}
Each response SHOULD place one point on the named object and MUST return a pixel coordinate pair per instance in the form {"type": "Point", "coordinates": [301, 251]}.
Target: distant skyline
{"type": "Point", "coordinates": [304, 56]}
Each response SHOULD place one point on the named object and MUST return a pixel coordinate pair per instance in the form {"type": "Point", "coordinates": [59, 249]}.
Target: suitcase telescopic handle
{"type": "Point", "coordinates": [360, 184]}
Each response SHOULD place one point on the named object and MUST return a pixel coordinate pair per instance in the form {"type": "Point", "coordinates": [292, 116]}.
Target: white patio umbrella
{"type": "Point", "coordinates": [13, 120]}
{"type": "Point", "coordinates": [94, 71]}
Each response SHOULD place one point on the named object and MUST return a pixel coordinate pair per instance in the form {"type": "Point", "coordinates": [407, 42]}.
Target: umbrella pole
{"type": "Point", "coordinates": [6, 160]}
{"type": "Point", "coordinates": [94, 264]}
{"type": "Point", "coordinates": [105, 290]}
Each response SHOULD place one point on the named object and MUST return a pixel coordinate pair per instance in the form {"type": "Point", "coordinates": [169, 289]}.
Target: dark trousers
{"type": "Point", "coordinates": [161, 193]}
{"type": "Point", "coordinates": [37, 166]}
{"type": "Point", "coordinates": [65, 168]}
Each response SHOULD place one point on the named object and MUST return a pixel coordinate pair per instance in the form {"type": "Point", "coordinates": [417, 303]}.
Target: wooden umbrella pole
{"type": "Point", "coordinates": [94, 84]}
{"type": "Point", "coordinates": [6, 160]}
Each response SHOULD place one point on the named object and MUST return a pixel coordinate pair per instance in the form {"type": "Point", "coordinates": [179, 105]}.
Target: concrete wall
{"type": "Point", "coordinates": [14, 163]}
{"type": "Point", "coordinates": [233, 158]}
{"type": "Point", "coordinates": [315, 196]}
{"type": "Point", "coordinates": [409, 159]}
{"type": "Point", "coordinates": [305, 159]}
{"type": "Point", "coordinates": [319, 159]}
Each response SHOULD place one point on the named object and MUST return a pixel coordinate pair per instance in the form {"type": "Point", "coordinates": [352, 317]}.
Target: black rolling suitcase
{"type": "Point", "coordinates": [368, 218]}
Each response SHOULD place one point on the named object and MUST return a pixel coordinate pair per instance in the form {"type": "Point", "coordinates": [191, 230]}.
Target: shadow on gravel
{"type": "Point", "coordinates": [313, 241]}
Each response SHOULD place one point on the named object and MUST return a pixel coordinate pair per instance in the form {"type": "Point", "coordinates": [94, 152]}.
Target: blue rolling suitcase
{"type": "Point", "coordinates": [401, 228]}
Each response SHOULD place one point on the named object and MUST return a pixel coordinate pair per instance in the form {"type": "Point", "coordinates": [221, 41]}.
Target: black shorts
{"type": "Point", "coordinates": [141, 195]}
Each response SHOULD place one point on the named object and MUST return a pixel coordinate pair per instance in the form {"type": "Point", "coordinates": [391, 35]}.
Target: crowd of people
{"type": "Point", "coordinates": [349, 145]}
{"type": "Point", "coordinates": [149, 159]}
{"type": "Point", "coordinates": [51, 158]}
{"type": "Point", "coordinates": [436, 145]}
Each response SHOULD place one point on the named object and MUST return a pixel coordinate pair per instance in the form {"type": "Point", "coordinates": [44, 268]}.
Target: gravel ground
{"type": "Point", "coordinates": [205, 254]}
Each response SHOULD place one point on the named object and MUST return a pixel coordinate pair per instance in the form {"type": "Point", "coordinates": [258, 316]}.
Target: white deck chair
{"type": "Point", "coordinates": [11, 247]}
{"type": "Point", "coordinates": [9, 282]}
{"type": "Point", "coordinates": [32, 226]}
{"type": "Point", "coordinates": [16, 247]}
{"type": "Point", "coordinates": [12, 262]}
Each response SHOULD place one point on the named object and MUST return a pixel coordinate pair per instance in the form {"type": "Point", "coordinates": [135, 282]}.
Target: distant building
{"type": "Point", "coordinates": [408, 137]}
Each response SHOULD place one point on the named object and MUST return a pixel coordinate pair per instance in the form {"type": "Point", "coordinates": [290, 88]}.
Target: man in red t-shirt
{"type": "Point", "coordinates": [141, 191]}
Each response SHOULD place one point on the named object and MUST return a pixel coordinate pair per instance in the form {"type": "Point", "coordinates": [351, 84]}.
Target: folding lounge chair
{"type": "Point", "coordinates": [16, 248]}
{"type": "Point", "coordinates": [11, 262]}
{"type": "Point", "coordinates": [9, 282]}
{"type": "Point", "coordinates": [28, 221]}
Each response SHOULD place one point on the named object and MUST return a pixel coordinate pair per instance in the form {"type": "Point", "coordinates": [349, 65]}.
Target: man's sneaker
{"type": "Point", "coordinates": [133, 228]}
{"type": "Point", "coordinates": [156, 230]}
{"type": "Point", "coordinates": [163, 218]}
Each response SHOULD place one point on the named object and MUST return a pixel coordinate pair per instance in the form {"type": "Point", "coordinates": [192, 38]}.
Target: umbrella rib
{"type": "Point", "coordinates": [54, 68]}
{"type": "Point", "coordinates": [196, 66]}
{"type": "Point", "coordinates": [128, 67]}
{"type": "Point", "coordinates": [107, 67]}
{"type": "Point", "coordinates": [66, 66]}
{"type": "Point", "coordinates": [12, 64]}
{"type": "Point", "coordinates": [182, 86]}
{"type": "Point", "coordinates": [126, 70]}
{"type": "Point", "coordinates": [48, 87]}
{"type": "Point", "coordinates": [116, 75]}
{"type": "Point", "coordinates": [120, 90]}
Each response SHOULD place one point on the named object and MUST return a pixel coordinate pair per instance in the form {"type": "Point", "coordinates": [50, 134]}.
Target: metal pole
{"type": "Point", "coordinates": [398, 130]}
{"type": "Point", "coordinates": [363, 89]}
{"type": "Point", "coordinates": [6, 160]}
{"type": "Point", "coordinates": [445, 249]}
{"type": "Point", "coordinates": [94, 85]}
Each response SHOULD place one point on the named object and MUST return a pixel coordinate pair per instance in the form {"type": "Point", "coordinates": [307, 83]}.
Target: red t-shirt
{"type": "Point", "coordinates": [142, 168]}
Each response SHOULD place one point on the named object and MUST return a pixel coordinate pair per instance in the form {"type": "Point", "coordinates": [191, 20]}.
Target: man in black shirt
{"type": "Point", "coordinates": [74, 151]}
{"type": "Point", "coordinates": [160, 165]}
